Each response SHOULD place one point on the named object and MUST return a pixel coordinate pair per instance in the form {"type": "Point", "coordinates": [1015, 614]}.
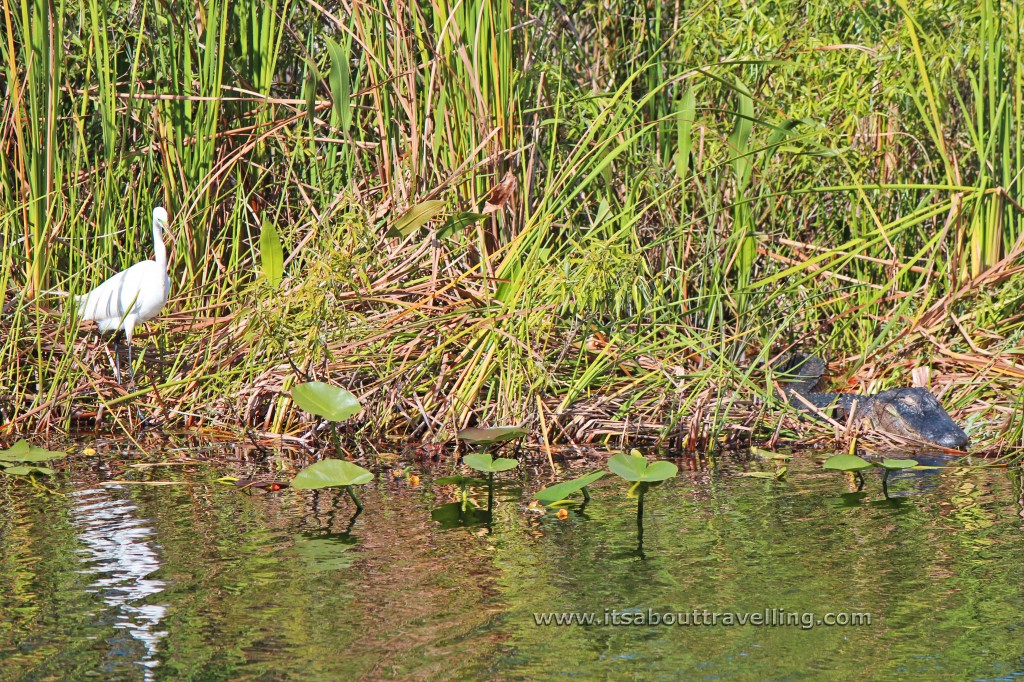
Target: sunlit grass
{"type": "Point", "coordinates": [694, 195]}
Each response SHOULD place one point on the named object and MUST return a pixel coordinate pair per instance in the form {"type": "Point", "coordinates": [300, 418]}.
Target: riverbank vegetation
{"type": "Point", "coordinates": [601, 221]}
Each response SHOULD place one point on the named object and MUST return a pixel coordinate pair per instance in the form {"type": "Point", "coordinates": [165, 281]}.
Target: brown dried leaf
{"type": "Point", "coordinates": [501, 193]}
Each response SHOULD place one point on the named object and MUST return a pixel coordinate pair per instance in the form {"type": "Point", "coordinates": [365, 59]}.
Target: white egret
{"type": "Point", "coordinates": [131, 296]}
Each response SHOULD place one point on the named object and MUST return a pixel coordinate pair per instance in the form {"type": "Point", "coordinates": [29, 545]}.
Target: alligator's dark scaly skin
{"type": "Point", "coordinates": [912, 413]}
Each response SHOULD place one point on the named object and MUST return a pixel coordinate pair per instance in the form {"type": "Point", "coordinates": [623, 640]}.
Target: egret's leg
{"type": "Point", "coordinates": [117, 359]}
{"type": "Point", "coordinates": [131, 366]}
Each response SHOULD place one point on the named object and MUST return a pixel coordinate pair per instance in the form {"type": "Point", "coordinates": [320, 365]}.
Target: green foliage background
{"type": "Point", "coordinates": [696, 188]}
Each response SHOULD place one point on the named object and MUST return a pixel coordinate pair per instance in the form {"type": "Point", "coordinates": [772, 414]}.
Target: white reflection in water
{"type": "Point", "coordinates": [117, 549]}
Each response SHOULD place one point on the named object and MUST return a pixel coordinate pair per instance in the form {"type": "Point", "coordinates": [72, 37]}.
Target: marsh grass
{"type": "Point", "coordinates": [695, 192]}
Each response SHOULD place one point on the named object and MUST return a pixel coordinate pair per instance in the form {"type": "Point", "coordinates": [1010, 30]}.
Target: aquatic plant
{"type": "Point", "coordinates": [331, 473]}
{"type": "Point", "coordinates": [554, 495]}
{"type": "Point", "coordinates": [463, 511]}
{"type": "Point", "coordinates": [857, 465]}
{"type": "Point", "coordinates": [20, 458]}
{"type": "Point", "coordinates": [644, 475]}
{"type": "Point", "coordinates": [329, 402]}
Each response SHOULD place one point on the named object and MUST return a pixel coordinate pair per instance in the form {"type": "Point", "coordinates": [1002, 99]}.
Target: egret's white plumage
{"type": "Point", "coordinates": [134, 295]}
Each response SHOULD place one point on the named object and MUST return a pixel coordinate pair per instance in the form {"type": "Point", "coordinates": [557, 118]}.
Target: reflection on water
{"type": "Point", "coordinates": [117, 549]}
{"type": "Point", "coordinates": [296, 586]}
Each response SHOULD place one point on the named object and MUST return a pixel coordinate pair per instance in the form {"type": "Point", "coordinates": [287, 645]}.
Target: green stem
{"type": "Point", "coordinates": [336, 439]}
{"type": "Point", "coordinates": [352, 494]}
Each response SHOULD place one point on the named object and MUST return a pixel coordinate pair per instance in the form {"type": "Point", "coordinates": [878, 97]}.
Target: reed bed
{"type": "Point", "coordinates": [602, 221]}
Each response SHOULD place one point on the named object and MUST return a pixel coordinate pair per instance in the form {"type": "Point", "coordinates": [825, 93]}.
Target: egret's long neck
{"type": "Point", "coordinates": [158, 246]}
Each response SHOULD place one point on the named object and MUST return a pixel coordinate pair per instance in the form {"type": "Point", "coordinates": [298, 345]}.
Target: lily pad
{"type": "Point", "coordinates": [330, 473]}
{"type": "Point", "coordinates": [23, 452]}
{"type": "Point", "coordinates": [496, 434]}
{"type": "Point", "coordinates": [487, 464]}
{"type": "Point", "coordinates": [896, 464]}
{"type": "Point", "coordinates": [634, 467]}
{"type": "Point", "coordinates": [847, 463]}
{"type": "Point", "coordinates": [324, 400]}
{"type": "Point", "coordinates": [23, 470]}
{"type": "Point", "coordinates": [560, 491]}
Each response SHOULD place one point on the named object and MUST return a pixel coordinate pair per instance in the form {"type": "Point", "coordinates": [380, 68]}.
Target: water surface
{"type": "Point", "coordinates": [201, 582]}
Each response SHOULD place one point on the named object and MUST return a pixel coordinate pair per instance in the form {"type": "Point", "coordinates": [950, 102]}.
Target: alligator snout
{"type": "Point", "coordinates": [915, 413]}
{"type": "Point", "coordinates": [957, 440]}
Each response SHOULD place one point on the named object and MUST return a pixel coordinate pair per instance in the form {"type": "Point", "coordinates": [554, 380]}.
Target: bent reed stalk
{"type": "Point", "coordinates": [639, 210]}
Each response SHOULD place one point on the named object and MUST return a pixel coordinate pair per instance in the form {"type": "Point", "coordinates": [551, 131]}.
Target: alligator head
{"type": "Point", "coordinates": [916, 414]}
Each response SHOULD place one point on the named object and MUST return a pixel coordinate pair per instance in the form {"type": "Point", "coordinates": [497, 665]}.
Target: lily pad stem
{"type": "Point", "coordinates": [352, 494]}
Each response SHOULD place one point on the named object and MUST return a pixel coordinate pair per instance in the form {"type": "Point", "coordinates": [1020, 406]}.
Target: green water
{"type": "Point", "coordinates": [201, 582]}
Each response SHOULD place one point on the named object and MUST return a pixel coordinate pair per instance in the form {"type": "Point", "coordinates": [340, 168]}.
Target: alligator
{"type": "Point", "coordinates": [910, 413]}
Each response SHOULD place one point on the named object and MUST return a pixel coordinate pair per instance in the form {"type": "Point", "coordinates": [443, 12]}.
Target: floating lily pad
{"type": "Point", "coordinates": [847, 463]}
{"type": "Point", "coordinates": [324, 400]}
{"type": "Point", "coordinates": [23, 470]}
{"type": "Point", "coordinates": [487, 464]}
{"type": "Point", "coordinates": [896, 464]}
{"type": "Point", "coordinates": [634, 467]}
{"type": "Point", "coordinates": [560, 491]}
{"type": "Point", "coordinates": [330, 473]}
{"type": "Point", "coordinates": [23, 452]}
{"type": "Point", "coordinates": [20, 448]}
{"type": "Point", "coordinates": [496, 434]}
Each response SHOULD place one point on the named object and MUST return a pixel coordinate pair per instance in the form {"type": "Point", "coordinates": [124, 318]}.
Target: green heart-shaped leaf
{"type": "Point", "coordinates": [485, 463]}
{"type": "Point", "coordinates": [23, 452]}
{"type": "Point", "coordinates": [846, 463]}
{"type": "Point", "coordinates": [634, 467]}
{"type": "Point", "coordinates": [324, 400]}
{"type": "Point", "coordinates": [560, 491]}
{"type": "Point", "coordinates": [23, 470]}
{"type": "Point", "coordinates": [329, 473]}
{"type": "Point", "coordinates": [896, 464]}
{"type": "Point", "coordinates": [20, 448]}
